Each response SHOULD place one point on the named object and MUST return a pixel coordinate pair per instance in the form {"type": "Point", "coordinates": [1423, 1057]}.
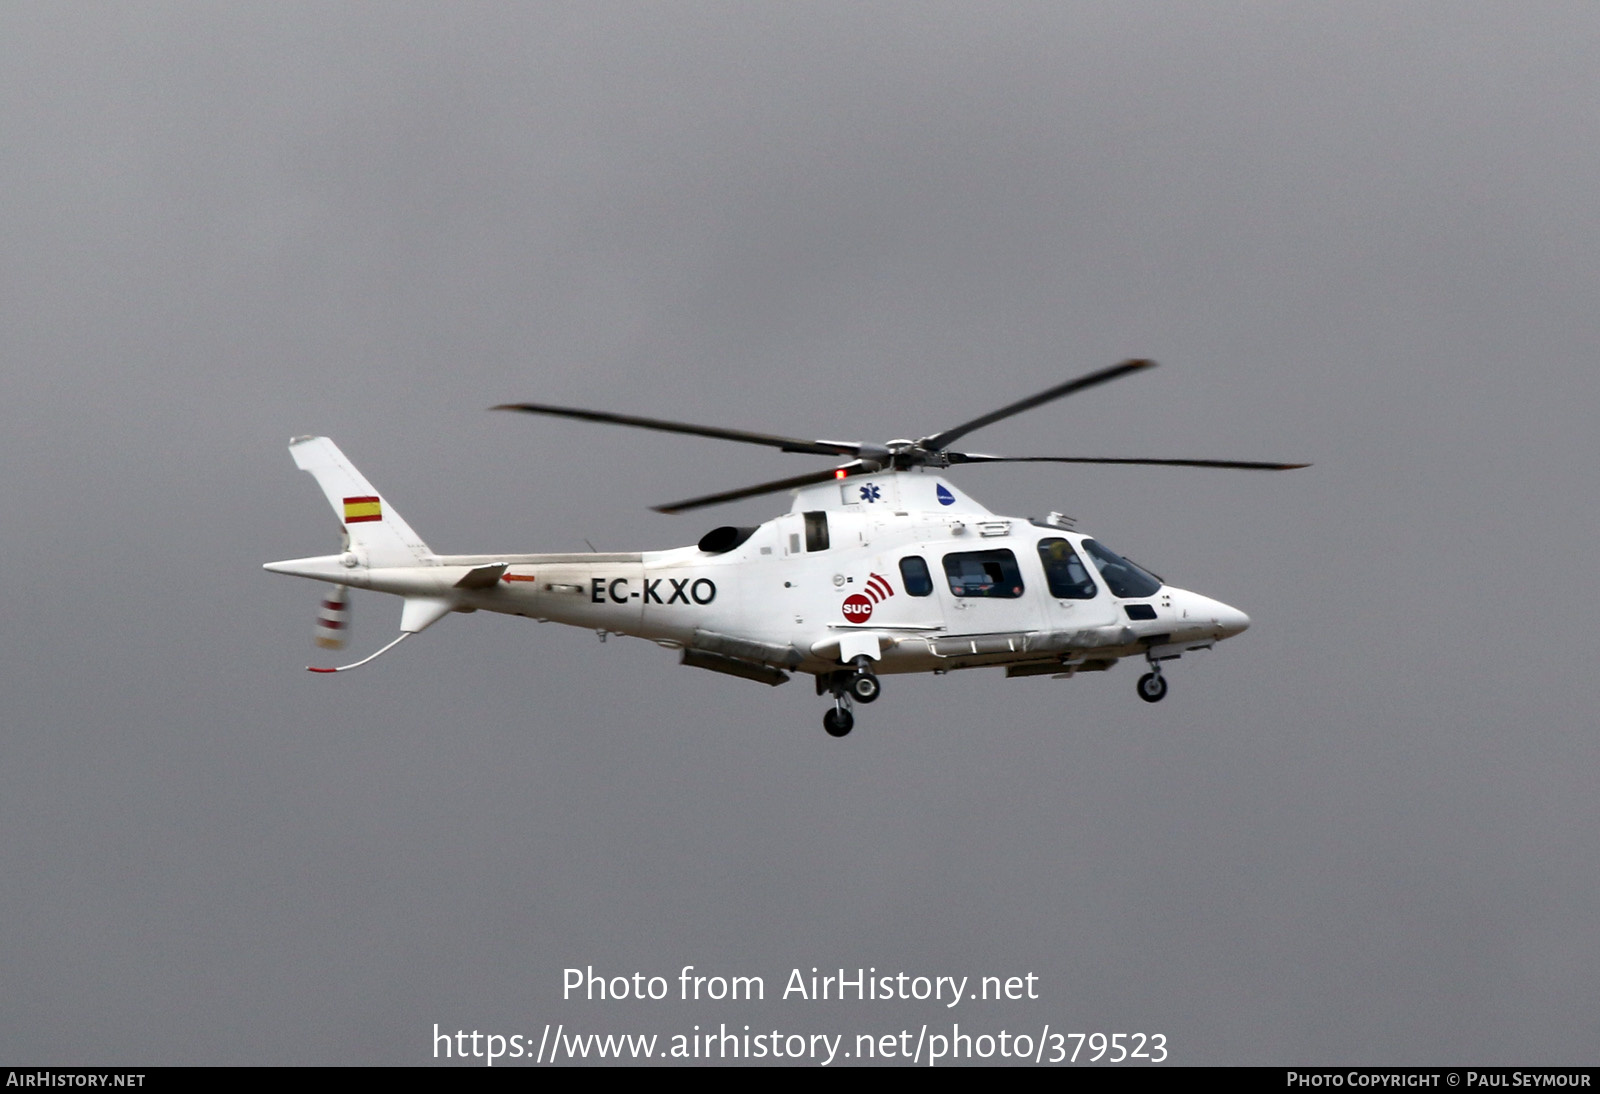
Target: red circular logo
{"type": "Point", "coordinates": [857, 608]}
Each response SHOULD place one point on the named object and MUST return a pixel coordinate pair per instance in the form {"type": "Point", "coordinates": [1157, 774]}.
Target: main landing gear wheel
{"type": "Point", "coordinates": [1152, 687]}
{"type": "Point", "coordinates": [838, 722]}
{"type": "Point", "coordinates": [864, 687]}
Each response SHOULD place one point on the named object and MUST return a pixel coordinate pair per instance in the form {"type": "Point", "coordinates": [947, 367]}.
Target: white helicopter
{"type": "Point", "coordinates": [880, 566]}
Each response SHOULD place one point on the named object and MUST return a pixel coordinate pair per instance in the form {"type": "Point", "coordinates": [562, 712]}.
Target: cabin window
{"type": "Point", "coordinates": [984, 573]}
{"type": "Point", "coordinates": [817, 531]}
{"type": "Point", "coordinates": [1064, 571]}
{"type": "Point", "coordinates": [914, 573]}
{"type": "Point", "coordinates": [1122, 577]}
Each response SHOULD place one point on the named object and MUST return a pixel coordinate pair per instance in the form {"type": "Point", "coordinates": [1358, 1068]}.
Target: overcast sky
{"type": "Point", "coordinates": [1361, 235]}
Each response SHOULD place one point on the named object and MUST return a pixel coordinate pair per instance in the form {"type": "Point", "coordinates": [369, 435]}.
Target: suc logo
{"type": "Point", "coordinates": [857, 607]}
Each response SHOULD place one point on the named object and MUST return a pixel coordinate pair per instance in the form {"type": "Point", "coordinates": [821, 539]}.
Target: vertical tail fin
{"type": "Point", "coordinates": [375, 529]}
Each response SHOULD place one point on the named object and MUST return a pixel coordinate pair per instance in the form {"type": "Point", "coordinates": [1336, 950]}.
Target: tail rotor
{"type": "Point", "coordinates": [375, 540]}
{"type": "Point", "coordinates": [333, 619]}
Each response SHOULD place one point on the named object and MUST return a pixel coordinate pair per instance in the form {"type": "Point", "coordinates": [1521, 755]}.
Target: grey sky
{"type": "Point", "coordinates": [1359, 234]}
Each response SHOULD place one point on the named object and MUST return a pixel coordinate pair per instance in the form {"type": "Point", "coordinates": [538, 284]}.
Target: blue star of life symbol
{"type": "Point", "coordinates": [870, 492]}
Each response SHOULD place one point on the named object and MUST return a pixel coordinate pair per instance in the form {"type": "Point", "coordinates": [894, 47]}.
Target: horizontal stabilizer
{"type": "Point", "coordinates": [482, 577]}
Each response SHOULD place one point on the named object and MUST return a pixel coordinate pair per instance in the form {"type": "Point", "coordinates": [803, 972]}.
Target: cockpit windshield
{"type": "Point", "coordinates": [1123, 578]}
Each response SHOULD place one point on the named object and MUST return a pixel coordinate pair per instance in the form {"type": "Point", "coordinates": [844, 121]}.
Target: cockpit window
{"type": "Point", "coordinates": [984, 573]}
{"type": "Point", "coordinates": [1064, 571]}
{"type": "Point", "coordinates": [1123, 578]}
{"type": "Point", "coordinates": [914, 572]}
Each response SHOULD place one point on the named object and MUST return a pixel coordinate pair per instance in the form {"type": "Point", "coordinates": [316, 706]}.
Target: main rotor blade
{"type": "Point", "coordinates": [940, 440]}
{"type": "Point", "coordinates": [753, 491]}
{"type": "Point", "coordinates": [786, 444]}
{"type": "Point", "coordinates": [1242, 465]}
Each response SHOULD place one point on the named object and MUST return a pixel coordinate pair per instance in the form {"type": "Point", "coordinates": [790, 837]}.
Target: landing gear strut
{"type": "Point", "coordinates": [857, 684]}
{"type": "Point", "coordinates": [839, 721]}
{"type": "Point", "coordinates": [1152, 685]}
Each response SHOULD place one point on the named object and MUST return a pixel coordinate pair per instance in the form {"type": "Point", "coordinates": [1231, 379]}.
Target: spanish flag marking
{"type": "Point", "coordinates": [357, 510]}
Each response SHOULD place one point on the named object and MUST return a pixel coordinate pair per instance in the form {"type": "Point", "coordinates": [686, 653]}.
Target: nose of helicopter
{"type": "Point", "coordinates": [1225, 620]}
{"type": "Point", "coordinates": [1208, 618]}
{"type": "Point", "coordinates": [1231, 620]}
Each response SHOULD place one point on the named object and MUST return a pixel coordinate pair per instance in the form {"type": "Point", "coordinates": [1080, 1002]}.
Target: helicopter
{"type": "Point", "coordinates": [882, 566]}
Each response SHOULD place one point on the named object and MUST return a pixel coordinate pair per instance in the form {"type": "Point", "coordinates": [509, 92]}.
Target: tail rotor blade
{"type": "Point", "coordinates": [333, 618]}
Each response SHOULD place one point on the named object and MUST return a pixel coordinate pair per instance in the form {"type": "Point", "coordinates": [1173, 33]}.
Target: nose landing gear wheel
{"type": "Point", "coordinates": [1152, 688]}
{"type": "Point", "coordinates": [838, 722]}
{"type": "Point", "coordinates": [864, 687]}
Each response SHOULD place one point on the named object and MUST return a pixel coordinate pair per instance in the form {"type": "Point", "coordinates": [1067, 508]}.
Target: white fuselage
{"type": "Point", "coordinates": [834, 577]}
